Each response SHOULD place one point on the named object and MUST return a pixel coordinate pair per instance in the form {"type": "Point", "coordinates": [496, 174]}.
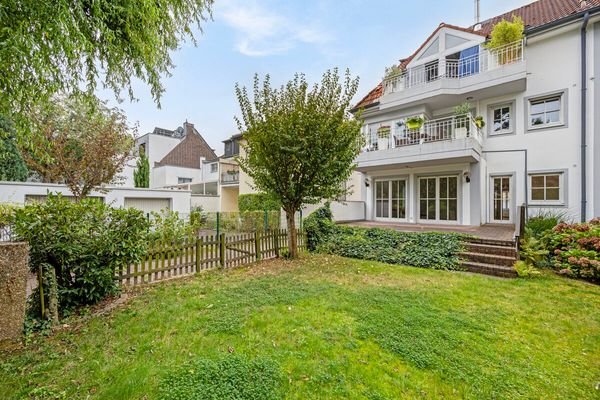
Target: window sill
{"type": "Point", "coordinates": [546, 204]}
{"type": "Point", "coordinates": [534, 128]}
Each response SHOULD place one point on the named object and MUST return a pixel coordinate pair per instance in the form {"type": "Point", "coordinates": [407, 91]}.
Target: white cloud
{"type": "Point", "coordinates": [261, 31]}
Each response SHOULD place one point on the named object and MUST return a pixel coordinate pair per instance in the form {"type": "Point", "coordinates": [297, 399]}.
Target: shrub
{"type": "Point", "coordinates": [543, 222]}
{"type": "Point", "coordinates": [232, 377]}
{"type": "Point", "coordinates": [426, 249]}
{"type": "Point", "coordinates": [168, 227]}
{"type": "Point", "coordinates": [257, 202]}
{"type": "Point", "coordinates": [318, 227]}
{"type": "Point", "coordinates": [525, 270]}
{"type": "Point", "coordinates": [506, 32]}
{"type": "Point", "coordinates": [575, 249]}
{"type": "Point", "coordinates": [83, 242]}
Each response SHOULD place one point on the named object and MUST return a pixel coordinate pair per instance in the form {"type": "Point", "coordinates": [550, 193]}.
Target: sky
{"type": "Point", "coordinates": [281, 38]}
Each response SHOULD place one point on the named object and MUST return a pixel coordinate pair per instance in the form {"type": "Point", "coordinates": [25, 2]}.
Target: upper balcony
{"type": "Point", "coordinates": [394, 144]}
{"type": "Point", "coordinates": [487, 73]}
{"type": "Point", "coordinates": [231, 176]}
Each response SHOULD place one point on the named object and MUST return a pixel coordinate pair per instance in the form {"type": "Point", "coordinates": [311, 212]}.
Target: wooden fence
{"type": "Point", "coordinates": [207, 252]}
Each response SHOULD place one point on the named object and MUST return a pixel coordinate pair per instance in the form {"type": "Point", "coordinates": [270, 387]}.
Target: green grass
{"type": "Point", "coordinates": [325, 327]}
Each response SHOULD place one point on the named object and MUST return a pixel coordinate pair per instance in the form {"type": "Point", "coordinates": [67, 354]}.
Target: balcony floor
{"type": "Point", "coordinates": [487, 231]}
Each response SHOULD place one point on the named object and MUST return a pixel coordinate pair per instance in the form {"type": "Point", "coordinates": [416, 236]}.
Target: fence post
{"type": "Point", "coordinates": [276, 234]}
{"type": "Point", "coordinates": [218, 223]}
{"type": "Point", "coordinates": [257, 244]}
{"type": "Point", "coordinates": [300, 219]}
{"type": "Point", "coordinates": [198, 252]}
{"type": "Point", "coordinates": [222, 249]}
{"type": "Point", "coordinates": [266, 218]}
{"type": "Point", "coordinates": [41, 286]}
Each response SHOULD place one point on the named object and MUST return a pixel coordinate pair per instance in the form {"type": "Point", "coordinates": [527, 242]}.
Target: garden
{"type": "Point", "coordinates": [322, 326]}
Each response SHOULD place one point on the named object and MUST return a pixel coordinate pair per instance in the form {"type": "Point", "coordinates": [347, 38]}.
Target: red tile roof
{"type": "Point", "coordinates": [536, 14]}
{"type": "Point", "coordinates": [187, 153]}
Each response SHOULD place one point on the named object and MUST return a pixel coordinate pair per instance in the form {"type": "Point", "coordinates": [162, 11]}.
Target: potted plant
{"type": "Point", "coordinates": [479, 122]}
{"type": "Point", "coordinates": [504, 34]}
{"type": "Point", "coordinates": [414, 123]}
{"type": "Point", "coordinates": [383, 137]}
{"type": "Point", "coordinates": [461, 120]}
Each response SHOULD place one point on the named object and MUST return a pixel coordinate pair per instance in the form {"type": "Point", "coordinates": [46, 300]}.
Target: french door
{"type": "Point", "coordinates": [390, 199]}
{"type": "Point", "coordinates": [438, 199]}
{"type": "Point", "coordinates": [501, 199]}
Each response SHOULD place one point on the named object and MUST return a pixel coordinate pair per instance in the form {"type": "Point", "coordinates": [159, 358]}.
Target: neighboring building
{"type": "Point", "coordinates": [230, 174]}
{"type": "Point", "coordinates": [528, 93]}
{"type": "Point", "coordinates": [147, 200]}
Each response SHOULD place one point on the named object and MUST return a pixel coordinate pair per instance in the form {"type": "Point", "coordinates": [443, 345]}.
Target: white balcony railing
{"type": "Point", "coordinates": [436, 130]}
{"type": "Point", "coordinates": [485, 60]}
{"type": "Point", "coordinates": [231, 176]}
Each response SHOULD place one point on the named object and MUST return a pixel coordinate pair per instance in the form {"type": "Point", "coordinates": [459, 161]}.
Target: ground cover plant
{"type": "Point", "coordinates": [324, 327]}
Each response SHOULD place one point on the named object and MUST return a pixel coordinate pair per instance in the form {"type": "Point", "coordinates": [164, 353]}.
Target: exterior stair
{"type": "Point", "coordinates": [490, 257]}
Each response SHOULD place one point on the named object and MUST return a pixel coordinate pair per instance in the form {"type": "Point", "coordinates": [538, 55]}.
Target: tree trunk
{"type": "Point", "coordinates": [291, 233]}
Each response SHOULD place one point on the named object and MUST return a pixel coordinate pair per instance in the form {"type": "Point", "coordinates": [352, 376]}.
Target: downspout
{"type": "Point", "coordinates": [583, 32]}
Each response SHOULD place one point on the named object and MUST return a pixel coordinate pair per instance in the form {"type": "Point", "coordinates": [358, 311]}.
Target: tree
{"type": "Point", "coordinates": [12, 166]}
{"type": "Point", "coordinates": [80, 142]}
{"type": "Point", "coordinates": [300, 142]}
{"type": "Point", "coordinates": [59, 46]}
{"type": "Point", "coordinates": [141, 175]}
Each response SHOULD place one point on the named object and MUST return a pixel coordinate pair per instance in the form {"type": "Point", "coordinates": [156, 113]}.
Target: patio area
{"type": "Point", "coordinates": [487, 231]}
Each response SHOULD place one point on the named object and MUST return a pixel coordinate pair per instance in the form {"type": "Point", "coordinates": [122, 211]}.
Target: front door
{"type": "Point", "coordinates": [390, 199]}
{"type": "Point", "coordinates": [438, 199]}
{"type": "Point", "coordinates": [501, 199]}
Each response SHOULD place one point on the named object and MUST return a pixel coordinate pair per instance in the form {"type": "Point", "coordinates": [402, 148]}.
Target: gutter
{"type": "Point", "coordinates": [583, 32]}
{"type": "Point", "coordinates": [562, 21]}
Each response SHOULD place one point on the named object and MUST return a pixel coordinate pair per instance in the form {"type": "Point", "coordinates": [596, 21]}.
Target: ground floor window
{"type": "Point", "coordinates": [438, 198]}
{"type": "Point", "coordinates": [390, 198]}
{"type": "Point", "coordinates": [546, 188]}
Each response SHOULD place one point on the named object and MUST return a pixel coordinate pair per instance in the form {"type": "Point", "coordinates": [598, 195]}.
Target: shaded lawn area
{"type": "Point", "coordinates": [325, 327]}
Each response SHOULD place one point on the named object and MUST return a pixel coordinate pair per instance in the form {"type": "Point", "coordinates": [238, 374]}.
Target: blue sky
{"type": "Point", "coordinates": [284, 37]}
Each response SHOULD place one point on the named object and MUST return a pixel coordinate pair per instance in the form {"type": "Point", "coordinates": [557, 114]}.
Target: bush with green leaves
{"type": "Point", "coordinates": [232, 377]}
{"type": "Point", "coordinates": [83, 242]}
{"type": "Point", "coordinates": [419, 249]}
{"type": "Point", "coordinates": [257, 202]}
{"type": "Point", "coordinates": [319, 226]}
{"type": "Point", "coordinates": [168, 227]}
{"type": "Point", "coordinates": [575, 249]}
{"type": "Point", "coordinates": [543, 222]}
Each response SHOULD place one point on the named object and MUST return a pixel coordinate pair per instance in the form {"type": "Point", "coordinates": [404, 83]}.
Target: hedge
{"type": "Point", "coordinates": [257, 202]}
{"type": "Point", "coordinates": [419, 249]}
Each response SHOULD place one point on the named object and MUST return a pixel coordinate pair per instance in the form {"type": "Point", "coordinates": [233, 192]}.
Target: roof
{"type": "Point", "coordinates": [534, 15]}
{"type": "Point", "coordinates": [188, 152]}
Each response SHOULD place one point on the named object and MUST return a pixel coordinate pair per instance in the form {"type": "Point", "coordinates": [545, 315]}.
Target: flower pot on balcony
{"type": "Point", "coordinates": [414, 123]}
{"type": "Point", "coordinates": [479, 122]}
{"type": "Point", "coordinates": [460, 132]}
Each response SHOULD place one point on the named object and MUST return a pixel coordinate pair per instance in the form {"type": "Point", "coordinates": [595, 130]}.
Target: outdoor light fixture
{"type": "Point", "coordinates": [367, 184]}
{"type": "Point", "coordinates": [467, 176]}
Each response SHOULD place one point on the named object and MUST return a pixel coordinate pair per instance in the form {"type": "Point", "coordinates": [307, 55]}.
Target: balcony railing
{"type": "Point", "coordinates": [485, 60]}
{"type": "Point", "coordinates": [436, 130]}
{"type": "Point", "coordinates": [229, 177]}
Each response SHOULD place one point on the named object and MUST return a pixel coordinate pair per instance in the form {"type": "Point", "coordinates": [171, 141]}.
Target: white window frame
{"type": "Point", "coordinates": [561, 188]}
{"type": "Point", "coordinates": [511, 119]}
{"type": "Point", "coordinates": [214, 168]}
{"type": "Point", "coordinates": [561, 111]}
{"type": "Point", "coordinates": [181, 180]}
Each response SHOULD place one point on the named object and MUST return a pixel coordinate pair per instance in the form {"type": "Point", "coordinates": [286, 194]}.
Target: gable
{"type": "Point", "coordinates": [454, 41]}
{"type": "Point", "coordinates": [433, 48]}
{"type": "Point", "coordinates": [188, 152]}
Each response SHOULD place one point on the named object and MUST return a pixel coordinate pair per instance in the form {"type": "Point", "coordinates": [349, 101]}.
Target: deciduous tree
{"type": "Point", "coordinates": [60, 46]}
{"type": "Point", "coordinates": [79, 142]}
{"type": "Point", "coordinates": [300, 141]}
{"type": "Point", "coordinates": [12, 166]}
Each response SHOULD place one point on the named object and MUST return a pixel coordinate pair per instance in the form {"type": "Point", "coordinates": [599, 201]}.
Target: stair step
{"type": "Point", "coordinates": [489, 269]}
{"type": "Point", "coordinates": [491, 259]}
{"type": "Point", "coordinates": [491, 242]}
{"type": "Point", "coordinates": [491, 249]}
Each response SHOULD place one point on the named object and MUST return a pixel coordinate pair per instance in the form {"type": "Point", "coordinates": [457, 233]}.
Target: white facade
{"type": "Point", "coordinates": [147, 200]}
{"type": "Point", "coordinates": [450, 172]}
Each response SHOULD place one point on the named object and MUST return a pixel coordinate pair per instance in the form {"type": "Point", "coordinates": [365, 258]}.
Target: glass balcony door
{"type": "Point", "coordinates": [438, 199]}
{"type": "Point", "coordinates": [501, 199]}
{"type": "Point", "coordinates": [390, 199]}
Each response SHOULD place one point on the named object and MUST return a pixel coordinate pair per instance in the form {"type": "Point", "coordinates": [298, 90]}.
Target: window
{"type": "Point", "coordinates": [214, 168]}
{"type": "Point", "coordinates": [546, 188]}
{"type": "Point", "coordinates": [545, 112]}
{"type": "Point", "coordinates": [501, 119]}
{"type": "Point", "coordinates": [183, 180]}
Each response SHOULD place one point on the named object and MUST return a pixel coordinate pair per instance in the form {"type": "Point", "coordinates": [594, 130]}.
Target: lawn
{"type": "Point", "coordinates": [325, 327]}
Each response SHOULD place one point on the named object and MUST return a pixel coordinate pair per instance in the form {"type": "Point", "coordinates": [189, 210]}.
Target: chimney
{"type": "Point", "coordinates": [477, 12]}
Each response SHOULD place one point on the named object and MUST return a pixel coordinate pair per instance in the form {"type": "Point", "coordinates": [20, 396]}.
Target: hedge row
{"type": "Point", "coordinates": [420, 249]}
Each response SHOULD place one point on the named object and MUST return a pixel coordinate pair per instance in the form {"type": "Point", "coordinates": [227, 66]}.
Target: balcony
{"type": "Point", "coordinates": [230, 177]}
{"type": "Point", "coordinates": [454, 139]}
{"type": "Point", "coordinates": [456, 75]}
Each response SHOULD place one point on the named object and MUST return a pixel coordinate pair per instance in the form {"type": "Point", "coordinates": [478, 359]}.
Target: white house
{"type": "Point", "coordinates": [539, 99]}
